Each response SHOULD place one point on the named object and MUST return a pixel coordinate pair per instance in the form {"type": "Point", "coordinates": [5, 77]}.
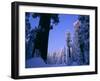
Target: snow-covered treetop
{"type": "Point", "coordinates": [77, 24]}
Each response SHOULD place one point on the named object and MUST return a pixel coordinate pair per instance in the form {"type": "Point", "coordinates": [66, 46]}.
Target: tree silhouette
{"type": "Point", "coordinates": [41, 42]}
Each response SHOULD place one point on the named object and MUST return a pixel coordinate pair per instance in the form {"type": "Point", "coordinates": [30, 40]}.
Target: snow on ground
{"type": "Point", "coordinates": [39, 62]}
{"type": "Point", "coordinates": [35, 62]}
{"type": "Point", "coordinates": [74, 64]}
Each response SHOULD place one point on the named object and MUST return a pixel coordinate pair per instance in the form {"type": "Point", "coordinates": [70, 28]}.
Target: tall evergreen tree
{"type": "Point", "coordinates": [81, 40]}
{"type": "Point", "coordinates": [54, 58]}
{"type": "Point", "coordinates": [76, 43]}
{"type": "Point", "coordinates": [84, 37]}
{"type": "Point", "coordinates": [27, 36]}
{"type": "Point", "coordinates": [65, 56]}
{"type": "Point", "coordinates": [68, 44]}
{"type": "Point", "coordinates": [68, 41]}
{"type": "Point", "coordinates": [42, 36]}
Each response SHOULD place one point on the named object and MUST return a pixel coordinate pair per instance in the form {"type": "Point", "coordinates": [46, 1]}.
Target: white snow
{"type": "Point", "coordinates": [39, 62]}
{"type": "Point", "coordinates": [35, 62]}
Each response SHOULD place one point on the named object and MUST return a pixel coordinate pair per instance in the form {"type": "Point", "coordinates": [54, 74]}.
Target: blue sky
{"type": "Point", "coordinates": [57, 36]}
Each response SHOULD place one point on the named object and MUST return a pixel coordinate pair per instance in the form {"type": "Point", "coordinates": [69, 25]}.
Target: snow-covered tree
{"type": "Point", "coordinates": [62, 56]}
{"type": "Point", "coordinates": [54, 57]}
{"type": "Point", "coordinates": [76, 43]}
{"type": "Point", "coordinates": [27, 36]}
{"type": "Point", "coordinates": [68, 44]}
{"type": "Point", "coordinates": [30, 37]}
{"type": "Point", "coordinates": [81, 40]}
{"type": "Point", "coordinates": [84, 37]}
{"type": "Point", "coordinates": [65, 55]}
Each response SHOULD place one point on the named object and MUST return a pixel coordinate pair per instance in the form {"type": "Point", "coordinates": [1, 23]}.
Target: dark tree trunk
{"type": "Point", "coordinates": [45, 26]}
{"type": "Point", "coordinates": [69, 52]}
{"type": "Point", "coordinates": [41, 42]}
